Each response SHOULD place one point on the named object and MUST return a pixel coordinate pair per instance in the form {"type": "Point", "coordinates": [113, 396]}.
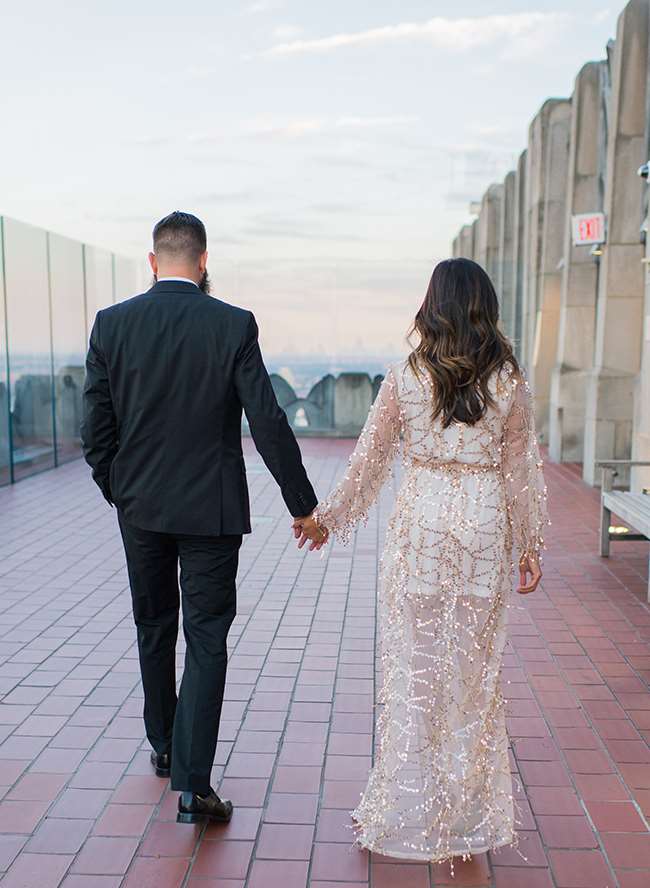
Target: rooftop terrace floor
{"type": "Point", "coordinates": [81, 809]}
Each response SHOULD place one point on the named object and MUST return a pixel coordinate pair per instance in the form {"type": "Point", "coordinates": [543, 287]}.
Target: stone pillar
{"type": "Point", "coordinates": [321, 402]}
{"type": "Point", "coordinates": [505, 282]}
{"type": "Point", "coordinates": [585, 194]}
{"type": "Point", "coordinates": [641, 427]}
{"type": "Point", "coordinates": [474, 241]}
{"type": "Point", "coordinates": [546, 174]}
{"type": "Point", "coordinates": [619, 315]}
{"type": "Point", "coordinates": [68, 386]}
{"type": "Point", "coordinates": [465, 242]}
{"type": "Point", "coordinates": [641, 437]}
{"type": "Point", "coordinates": [455, 246]}
{"type": "Point", "coordinates": [519, 250]}
{"type": "Point", "coordinates": [489, 229]}
{"type": "Point", "coordinates": [352, 401]}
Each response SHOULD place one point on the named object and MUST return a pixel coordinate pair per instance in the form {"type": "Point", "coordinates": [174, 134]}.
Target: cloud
{"type": "Point", "coordinates": [333, 208]}
{"type": "Point", "coordinates": [374, 122]}
{"type": "Point", "coordinates": [150, 141]}
{"type": "Point", "coordinates": [344, 161]}
{"type": "Point", "coordinates": [260, 6]}
{"type": "Point", "coordinates": [227, 197]}
{"type": "Point", "coordinates": [287, 32]}
{"type": "Point", "coordinates": [441, 32]}
{"type": "Point", "coordinates": [120, 218]}
{"type": "Point", "coordinates": [310, 126]}
{"type": "Point", "coordinates": [459, 198]}
{"type": "Point", "coordinates": [470, 168]}
{"type": "Point", "coordinates": [499, 136]}
{"type": "Point", "coordinates": [292, 129]}
{"type": "Point", "coordinates": [229, 239]}
{"type": "Point", "coordinates": [266, 226]}
{"type": "Point", "coordinates": [200, 72]}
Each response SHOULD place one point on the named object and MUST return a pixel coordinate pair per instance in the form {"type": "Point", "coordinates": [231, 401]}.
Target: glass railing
{"type": "Point", "coordinates": [50, 290]}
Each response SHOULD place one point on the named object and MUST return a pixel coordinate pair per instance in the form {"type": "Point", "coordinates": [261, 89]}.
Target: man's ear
{"type": "Point", "coordinates": [153, 262]}
{"type": "Point", "coordinates": [203, 262]}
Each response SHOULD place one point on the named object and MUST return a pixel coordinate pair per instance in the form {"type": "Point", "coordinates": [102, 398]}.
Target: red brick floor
{"type": "Point", "coordinates": [80, 808]}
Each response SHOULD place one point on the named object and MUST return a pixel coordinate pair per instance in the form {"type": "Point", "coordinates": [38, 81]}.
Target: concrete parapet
{"type": "Point", "coordinates": [473, 242]}
{"type": "Point", "coordinates": [68, 388]}
{"type": "Point", "coordinates": [581, 326]}
{"type": "Point", "coordinates": [489, 230]}
{"type": "Point", "coordinates": [519, 250]}
{"type": "Point", "coordinates": [464, 243]}
{"type": "Point", "coordinates": [32, 411]}
{"type": "Point", "coordinates": [579, 279]}
{"type": "Point", "coordinates": [335, 406]}
{"type": "Point", "coordinates": [505, 279]}
{"type": "Point", "coordinates": [619, 317]}
{"type": "Point", "coordinates": [352, 400]}
{"type": "Point", "coordinates": [548, 154]}
{"type": "Point", "coordinates": [641, 424]}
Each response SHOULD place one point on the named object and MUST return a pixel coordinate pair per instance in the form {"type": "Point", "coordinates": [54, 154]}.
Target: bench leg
{"type": "Point", "coordinates": [605, 521]}
{"type": "Point", "coordinates": [607, 482]}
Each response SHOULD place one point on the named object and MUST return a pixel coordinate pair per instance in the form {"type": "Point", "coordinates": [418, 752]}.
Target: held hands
{"type": "Point", "coordinates": [308, 528]}
{"type": "Point", "coordinates": [529, 565]}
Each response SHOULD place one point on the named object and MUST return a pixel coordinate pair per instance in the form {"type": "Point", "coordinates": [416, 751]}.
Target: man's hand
{"type": "Point", "coordinates": [529, 565]}
{"type": "Point", "coordinates": [308, 529]}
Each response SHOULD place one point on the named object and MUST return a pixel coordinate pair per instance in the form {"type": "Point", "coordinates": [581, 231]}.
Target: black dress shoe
{"type": "Point", "coordinates": [193, 808]}
{"type": "Point", "coordinates": [161, 762]}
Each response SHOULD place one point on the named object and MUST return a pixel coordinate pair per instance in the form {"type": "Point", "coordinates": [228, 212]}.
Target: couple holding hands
{"type": "Point", "coordinates": [169, 373]}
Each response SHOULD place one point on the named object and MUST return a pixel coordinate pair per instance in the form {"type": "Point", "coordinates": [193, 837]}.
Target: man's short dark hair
{"type": "Point", "coordinates": [180, 235]}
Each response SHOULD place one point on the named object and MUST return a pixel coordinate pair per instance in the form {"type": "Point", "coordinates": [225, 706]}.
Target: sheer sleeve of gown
{"type": "Point", "coordinates": [369, 466]}
{"type": "Point", "coordinates": [522, 470]}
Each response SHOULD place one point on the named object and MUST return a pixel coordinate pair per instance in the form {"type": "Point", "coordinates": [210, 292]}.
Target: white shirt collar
{"type": "Point", "coordinates": [185, 280]}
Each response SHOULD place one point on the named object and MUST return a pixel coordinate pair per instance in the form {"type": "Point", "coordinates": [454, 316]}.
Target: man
{"type": "Point", "coordinates": [168, 373]}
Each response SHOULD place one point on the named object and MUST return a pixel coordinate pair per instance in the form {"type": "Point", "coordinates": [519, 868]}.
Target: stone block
{"type": "Point", "coordinates": [68, 389]}
{"type": "Point", "coordinates": [619, 320]}
{"type": "Point", "coordinates": [32, 410]}
{"type": "Point", "coordinates": [579, 275]}
{"type": "Point", "coordinates": [352, 400]}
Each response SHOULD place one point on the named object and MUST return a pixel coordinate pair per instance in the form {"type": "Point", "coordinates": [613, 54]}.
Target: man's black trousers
{"type": "Point", "coordinates": [188, 726]}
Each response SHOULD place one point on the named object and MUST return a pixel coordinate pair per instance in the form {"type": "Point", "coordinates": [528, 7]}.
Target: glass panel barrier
{"type": "Point", "coordinates": [51, 288]}
{"type": "Point", "coordinates": [5, 457]}
{"type": "Point", "coordinates": [98, 265]}
{"type": "Point", "coordinates": [68, 341]}
{"type": "Point", "coordinates": [127, 281]}
{"type": "Point", "coordinates": [30, 357]}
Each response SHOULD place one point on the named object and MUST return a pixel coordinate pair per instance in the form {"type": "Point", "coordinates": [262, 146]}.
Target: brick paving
{"type": "Point", "coordinates": [81, 809]}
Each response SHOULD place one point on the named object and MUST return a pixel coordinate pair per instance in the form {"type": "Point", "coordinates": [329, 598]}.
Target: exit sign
{"type": "Point", "coordinates": [588, 228]}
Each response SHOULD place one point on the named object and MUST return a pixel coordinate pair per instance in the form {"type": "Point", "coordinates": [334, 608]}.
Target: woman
{"type": "Point", "coordinates": [472, 486]}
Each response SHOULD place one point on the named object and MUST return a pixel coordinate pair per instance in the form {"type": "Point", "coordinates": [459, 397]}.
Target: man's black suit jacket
{"type": "Point", "coordinates": [167, 375]}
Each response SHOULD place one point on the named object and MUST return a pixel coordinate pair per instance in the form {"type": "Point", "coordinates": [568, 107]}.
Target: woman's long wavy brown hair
{"type": "Point", "coordinates": [460, 344]}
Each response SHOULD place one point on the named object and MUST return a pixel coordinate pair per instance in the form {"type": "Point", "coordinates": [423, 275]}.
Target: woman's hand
{"type": "Point", "coordinates": [308, 529]}
{"type": "Point", "coordinates": [529, 566]}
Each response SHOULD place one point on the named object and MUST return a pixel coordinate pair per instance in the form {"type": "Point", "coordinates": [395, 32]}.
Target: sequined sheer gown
{"type": "Point", "coordinates": [440, 785]}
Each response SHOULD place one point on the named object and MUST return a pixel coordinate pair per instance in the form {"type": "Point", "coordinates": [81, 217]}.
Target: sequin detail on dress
{"type": "Point", "coordinates": [440, 785]}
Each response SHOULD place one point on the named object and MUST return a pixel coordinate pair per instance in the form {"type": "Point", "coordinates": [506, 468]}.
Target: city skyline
{"type": "Point", "coordinates": [331, 152]}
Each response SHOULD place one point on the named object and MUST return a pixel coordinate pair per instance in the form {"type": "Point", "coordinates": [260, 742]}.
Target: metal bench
{"type": "Point", "coordinates": [633, 508]}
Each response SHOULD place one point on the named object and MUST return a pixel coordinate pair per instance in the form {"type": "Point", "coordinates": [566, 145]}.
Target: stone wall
{"type": "Point", "coordinates": [548, 151]}
{"type": "Point", "coordinates": [580, 270]}
{"type": "Point", "coordinates": [336, 407]}
{"type": "Point", "coordinates": [579, 316]}
{"type": "Point", "coordinates": [505, 271]}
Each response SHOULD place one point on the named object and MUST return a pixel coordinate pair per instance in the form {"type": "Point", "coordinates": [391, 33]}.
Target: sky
{"type": "Point", "coordinates": [332, 149]}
